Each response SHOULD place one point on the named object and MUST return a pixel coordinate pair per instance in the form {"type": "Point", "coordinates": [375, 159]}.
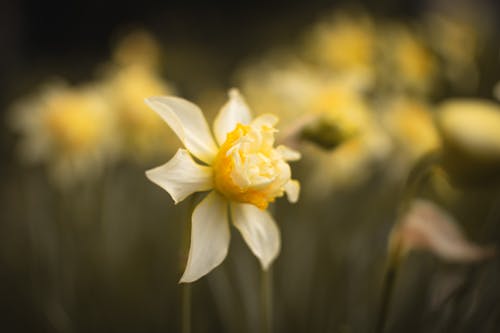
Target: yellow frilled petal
{"type": "Point", "coordinates": [248, 168]}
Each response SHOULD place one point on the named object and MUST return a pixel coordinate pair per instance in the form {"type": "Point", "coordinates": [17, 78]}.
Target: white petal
{"type": "Point", "coordinates": [209, 237]}
{"type": "Point", "coordinates": [188, 122]}
{"type": "Point", "coordinates": [259, 231]}
{"type": "Point", "coordinates": [234, 112]}
{"type": "Point", "coordinates": [182, 176]}
{"type": "Point", "coordinates": [292, 189]}
{"type": "Point", "coordinates": [288, 154]}
{"type": "Point", "coordinates": [428, 227]}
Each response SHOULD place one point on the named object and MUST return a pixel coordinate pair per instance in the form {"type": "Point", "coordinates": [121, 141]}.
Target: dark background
{"type": "Point", "coordinates": [49, 37]}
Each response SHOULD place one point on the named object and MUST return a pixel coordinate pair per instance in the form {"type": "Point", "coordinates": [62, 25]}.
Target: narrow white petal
{"type": "Point", "coordinates": [427, 227]}
{"type": "Point", "coordinates": [234, 112]}
{"type": "Point", "coordinates": [209, 237]}
{"type": "Point", "coordinates": [292, 189]}
{"type": "Point", "coordinates": [259, 231]}
{"type": "Point", "coordinates": [188, 122]}
{"type": "Point", "coordinates": [288, 154]}
{"type": "Point", "coordinates": [182, 176]}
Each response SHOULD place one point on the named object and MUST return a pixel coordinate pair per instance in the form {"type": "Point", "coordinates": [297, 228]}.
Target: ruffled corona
{"type": "Point", "coordinates": [247, 168]}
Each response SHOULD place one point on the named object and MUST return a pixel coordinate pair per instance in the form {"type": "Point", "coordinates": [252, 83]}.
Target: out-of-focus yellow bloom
{"type": "Point", "coordinates": [362, 140]}
{"type": "Point", "coordinates": [346, 46]}
{"type": "Point", "coordinates": [334, 113]}
{"type": "Point", "coordinates": [407, 63]}
{"type": "Point", "coordinates": [131, 77]}
{"type": "Point", "coordinates": [139, 48]}
{"type": "Point", "coordinates": [471, 136]}
{"type": "Point", "coordinates": [411, 125]}
{"type": "Point", "coordinates": [72, 130]}
{"type": "Point", "coordinates": [143, 134]}
{"type": "Point", "coordinates": [340, 112]}
{"type": "Point", "coordinates": [281, 86]}
{"type": "Point", "coordinates": [456, 42]}
{"type": "Point", "coordinates": [242, 169]}
{"type": "Point", "coordinates": [472, 125]}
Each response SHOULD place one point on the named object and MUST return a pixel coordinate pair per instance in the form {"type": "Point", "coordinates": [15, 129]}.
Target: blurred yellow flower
{"type": "Point", "coordinates": [70, 129]}
{"type": "Point", "coordinates": [473, 125]}
{"type": "Point", "coordinates": [455, 38]}
{"type": "Point", "coordinates": [142, 131]}
{"type": "Point", "coordinates": [470, 130]}
{"type": "Point", "coordinates": [410, 123]}
{"type": "Point", "coordinates": [282, 86]}
{"type": "Point", "coordinates": [138, 48]}
{"type": "Point", "coordinates": [334, 113]}
{"type": "Point", "coordinates": [346, 46]}
{"type": "Point", "coordinates": [362, 140]}
{"type": "Point", "coordinates": [407, 63]}
{"type": "Point", "coordinates": [241, 168]}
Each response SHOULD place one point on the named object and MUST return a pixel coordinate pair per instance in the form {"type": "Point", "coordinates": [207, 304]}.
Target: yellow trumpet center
{"type": "Point", "coordinates": [248, 169]}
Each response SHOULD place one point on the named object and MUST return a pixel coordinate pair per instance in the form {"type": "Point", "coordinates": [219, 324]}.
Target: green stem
{"type": "Point", "coordinates": [387, 291]}
{"type": "Point", "coordinates": [415, 178]}
{"type": "Point", "coordinates": [266, 300]}
{"type": "Point", "coordinates": [186, 308]}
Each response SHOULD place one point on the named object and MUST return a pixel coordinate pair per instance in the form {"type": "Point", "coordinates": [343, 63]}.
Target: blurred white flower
{"type": "Point", "coordinates": [241, 168]}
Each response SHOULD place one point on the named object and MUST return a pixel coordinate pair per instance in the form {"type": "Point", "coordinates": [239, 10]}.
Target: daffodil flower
{"type": "Point", "coordinates": [241, 169]}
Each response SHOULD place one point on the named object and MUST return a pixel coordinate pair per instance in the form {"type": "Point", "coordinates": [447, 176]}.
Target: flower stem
{"type": "Point", "coordinates": [387, 291]}
{"type": "Point", "coordinates": [186, 308]}
{"type": "Point", "coordinates": [266, 300]}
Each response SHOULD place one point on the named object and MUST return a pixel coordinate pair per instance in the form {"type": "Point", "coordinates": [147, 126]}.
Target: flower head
{"type": "Point", "coordinates": [243, 170]}
{"type": "Point", "coordinates": [470, 130]}
{"type": "Point", "coordinates": [70, 129]}
{"type": "Point", "coordinates": [139, 127]}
